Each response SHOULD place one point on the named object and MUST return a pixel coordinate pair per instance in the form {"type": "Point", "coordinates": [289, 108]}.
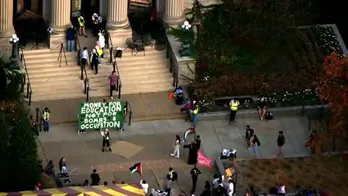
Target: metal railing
{"type": "Point", "coordinates": [129, 112]}
{"type": "Point", "coordinates": [83, 71]}
{"type": "Point", "coordinates": [112, 60]}
{"type": "Point", "coordinates": [26, 79]}
{"type": "Point", "coordinates": [173, 67]}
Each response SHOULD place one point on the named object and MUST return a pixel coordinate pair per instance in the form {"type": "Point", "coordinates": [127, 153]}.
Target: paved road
{"type": "Point", "coordinates": [83, 151]}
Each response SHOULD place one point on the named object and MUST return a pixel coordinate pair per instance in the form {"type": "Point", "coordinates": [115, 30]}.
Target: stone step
{"type": "Point", "coordinates": [51, 60]}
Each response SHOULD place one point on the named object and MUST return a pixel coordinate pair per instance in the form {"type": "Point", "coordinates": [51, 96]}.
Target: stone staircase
{"type": "Point", "coordinates": [139, 74]}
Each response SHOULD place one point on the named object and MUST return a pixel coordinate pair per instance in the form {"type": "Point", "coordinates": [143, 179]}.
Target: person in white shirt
{"type": "Point", "coordinates": [84, 57]}
{"type": "Point", "coordinates": [230, 190]}
{"type": "Point", "coordinates": [281, 190]}
{"type": "Point", "coordinates": [101, 40]}
{"type": "Point", "coordinates": [176, 147]}
{"type": "Point", "coordinates": [145, 186]}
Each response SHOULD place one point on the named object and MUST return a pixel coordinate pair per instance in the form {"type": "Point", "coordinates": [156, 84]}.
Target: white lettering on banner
{"type": "Point", "coordinates": [101, 115]}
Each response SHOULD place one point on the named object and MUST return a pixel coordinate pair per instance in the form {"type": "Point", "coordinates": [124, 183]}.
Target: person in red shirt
{"type": "Point", "coordinates": [112, 82]}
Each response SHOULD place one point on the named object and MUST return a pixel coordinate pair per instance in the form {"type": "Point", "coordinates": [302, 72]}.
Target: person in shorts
{"type": "Point", "coordinates": [112, 82]}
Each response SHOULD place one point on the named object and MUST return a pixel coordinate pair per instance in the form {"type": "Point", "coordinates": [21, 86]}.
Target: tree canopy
{"type": "Point", "coordinates": [242, 33]}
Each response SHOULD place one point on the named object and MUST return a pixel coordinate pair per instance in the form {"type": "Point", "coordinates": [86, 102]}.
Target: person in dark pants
{"type": "Point", "coordinates": [207, 191]}
{"type": "Point", "coordinates": [198, 142]}
{"type": "Point", "coordinates": [106, 140]}
{"type": "Point", "coordinates": [46, 115]}
{"type": "Point", "coordinates": [168, 183]}
{"type": "Point", "coordinates": [233, 108]}
{"type": "Point", "coordinates": [95, 178]}
{"type": "Point", "coordinates": [70, 37]}
{"type": "Point", "coordinates": [94, 60]}
{"type": "Point", "coordinates": [195, 172]}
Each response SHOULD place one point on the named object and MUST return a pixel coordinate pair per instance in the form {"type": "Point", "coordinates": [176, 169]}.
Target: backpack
{"type": "Point", "coordinates": [175, 176]}
{"type": "Point", "coordinates": [269, 116]}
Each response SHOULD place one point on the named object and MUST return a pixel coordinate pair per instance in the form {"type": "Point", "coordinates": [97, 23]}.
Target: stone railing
{"type": "Point", "coordinates": [184, 66]}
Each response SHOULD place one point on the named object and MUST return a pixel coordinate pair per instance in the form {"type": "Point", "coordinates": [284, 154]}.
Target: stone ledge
{"type": "Point", "coordinates": [277, 112]}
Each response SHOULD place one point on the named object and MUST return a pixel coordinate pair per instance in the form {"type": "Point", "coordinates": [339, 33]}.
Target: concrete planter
{"type": "Point", "coordinates": [313, 110]}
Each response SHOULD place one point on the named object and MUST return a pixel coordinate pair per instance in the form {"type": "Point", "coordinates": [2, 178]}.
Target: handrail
{"type": "Point", "coordinates": [130, 113]}
{"type": "Point", "coordinates": [173, 67]}
{"type": "Point", "coordinates": [84, 75]}
{"type": "Point", "coordinates": [114, 65]}
{"type": "Point", "coordinates": [26, 78]}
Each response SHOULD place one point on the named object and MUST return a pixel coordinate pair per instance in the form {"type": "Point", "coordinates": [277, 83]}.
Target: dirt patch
{"type": "Point", "coordinates": [320, 172]}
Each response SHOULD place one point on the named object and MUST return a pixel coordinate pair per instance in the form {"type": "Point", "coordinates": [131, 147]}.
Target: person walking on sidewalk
{"type": "Point", "coordinates": [112, 82]}
{"type": "Point", "coordinates": [176, 147]}
{"type": "Point", "coordinates": [280, 143]}
{"type": "Point", "coordinates": [233, 109]}
{"type": "Point", "coordinates": [168, 184]}
{"type": "Point", "coordinates": [46, 115]}
{"type": "Point", "coordinates": [195, 172]}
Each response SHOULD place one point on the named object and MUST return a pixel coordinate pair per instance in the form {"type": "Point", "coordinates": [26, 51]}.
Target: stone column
{"type": "Point", "coordinates": [103, 8]}
{"type": "Point", "coordinates": [117, 14]}
{"type": "Point", "coordinates": [6, 22]}
{"type": "Point", "coordinates": [60, 21]}
{"type": "Point", "coordinates": [174, 12]}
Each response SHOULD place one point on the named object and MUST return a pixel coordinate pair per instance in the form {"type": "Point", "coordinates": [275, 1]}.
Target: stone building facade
{"type": "Point", "coordinates": [60, 12]}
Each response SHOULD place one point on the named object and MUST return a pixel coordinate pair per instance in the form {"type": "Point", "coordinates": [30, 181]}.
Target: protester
{"type": "Point", "coordinates": [63, 166]}
{"type": "Point", "coordinates": [231, 188]}
{"type": "Point", "coordinates": [261, 108]}
{"type": "Point", "coordinates": [46, 115]}
{"type": "Point", "coordinates": [176, 146]}
{"type": "Point", "coordinates": [280, 142]}
{"type": "Point", "coordinates": [95, 178]}
{"type": "Point", "coordinates": [192, 158]}
{"type": "Point", "coordinates": [106, 140]}
{"type": "Point", "coordinates": [255, 143]}
{"type": "Point", "coordinates": [195, 172]}
{"type": "Point", "coordinates": [198, 142]}
{"type": "Point", "coordinates": [112, 82]}
{"type": "Point", "coordinates": [84, 57]}
{"type": "Point", "coordinates": [248, 135]}
{"type": "Point", "coordinates": [215, 181]}
{"type": "Point", "coordinates": [207, 191]}
{"type": "Point", "coordinates": [144, 186]}
{"type": "Point", "coordinates": [168, 184]}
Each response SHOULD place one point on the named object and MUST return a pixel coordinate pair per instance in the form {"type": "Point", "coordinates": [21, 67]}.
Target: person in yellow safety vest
{"type": "Point", "coordinates": [46, 114]}
{"type": "Point", "coordinates": [195, 111]}
{"type": "Point", "coordinates": [82, 29]}
{"type": "Point", "coordinates": [99, 52]}
{"type": "Point", "coordinates": [95, 22]}
{"type": "Point", "coordinates": [234, 108]}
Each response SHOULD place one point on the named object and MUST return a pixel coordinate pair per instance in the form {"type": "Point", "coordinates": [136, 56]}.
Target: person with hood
{"type": "Point", "coordinates": [101, 40]}
{"type": "Point", "coordinates": [93, 59]}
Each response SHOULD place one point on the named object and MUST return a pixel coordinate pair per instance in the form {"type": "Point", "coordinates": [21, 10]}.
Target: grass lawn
{"type": "Point", "coordinates": [328, 173]}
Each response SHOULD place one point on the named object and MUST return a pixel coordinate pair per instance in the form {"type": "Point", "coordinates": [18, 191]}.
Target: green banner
{"type": "Point", "coordinates": [101, 115]}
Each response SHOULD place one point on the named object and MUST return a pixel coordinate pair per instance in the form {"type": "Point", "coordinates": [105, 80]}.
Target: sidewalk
{"type": "Point", "coordinates": [145, 107]}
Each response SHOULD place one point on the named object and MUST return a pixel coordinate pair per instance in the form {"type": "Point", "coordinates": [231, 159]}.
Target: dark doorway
{"type": "Point", "coordinates": [88, 7]}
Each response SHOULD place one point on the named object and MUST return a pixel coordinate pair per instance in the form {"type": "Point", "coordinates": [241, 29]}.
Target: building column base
{"type": "Point", "coordinates": [118, 25]}
{"type": "Point", "coordinates": [119, 36]}
{"type": "Point", "coordinates": [174, 22]}
{"type": "Point", "coordinates": [56, 39]}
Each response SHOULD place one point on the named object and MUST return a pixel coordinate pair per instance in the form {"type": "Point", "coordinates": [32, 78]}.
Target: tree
{"type": "Point", "coordinates": [11, 81]}
{"type": "Point", "coordinates": [244, 33]}
{"type": "Point", "coordinates": [333, 88]}
{"type": "Point", "coordinates": [19, 157]}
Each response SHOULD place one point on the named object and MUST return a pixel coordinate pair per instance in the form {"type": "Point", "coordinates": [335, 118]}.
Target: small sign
{"type": "Point", "coordinates": [204, 161]}
{"type": "Point", "coordinates": [101, 115]}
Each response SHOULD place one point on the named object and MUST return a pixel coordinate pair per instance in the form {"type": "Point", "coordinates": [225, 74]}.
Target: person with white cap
{"type": "Point", "coordinates": [95, 22]}
{"type": "Point", "coordinates": [106, 140]}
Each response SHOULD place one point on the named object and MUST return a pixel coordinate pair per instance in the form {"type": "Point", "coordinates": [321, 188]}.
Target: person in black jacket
{"type": "Point", "coordinates": [95, 178]}
{"type": "Point", "coordinates": [280, 142]}
{"type": "Point", "coordinates": [94, 60]}
{"type": "Point", "coordinates": [195, 172]}
{"type": "Point", "coordinates": [207, 191]}
{"type": "Point", "coordinates": [106, 140]}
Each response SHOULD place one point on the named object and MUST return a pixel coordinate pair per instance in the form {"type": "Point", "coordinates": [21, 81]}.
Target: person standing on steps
{"type": "Point", "coordinates": [112, 83]}
{"type": "Point", "coordinates": [280, 143]}
{"type": "Point", "coordinates": [94, 61]}
{"type": "Point", "coordinates": [70, 37]}
{"type": "Point", "coordinates": [233, 109]}
{"type": "Point", "coordinates": [195, 172]}
{"type": "Point", "coordinates": [106, 140]}
{"type": "Point", "coordinates": [82, 29]}
{"type": "Point", "coordinates": [46, 115]}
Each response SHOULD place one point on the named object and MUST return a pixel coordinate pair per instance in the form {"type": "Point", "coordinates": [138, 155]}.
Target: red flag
{"type": "Point", "coordinates": [204, 161]}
